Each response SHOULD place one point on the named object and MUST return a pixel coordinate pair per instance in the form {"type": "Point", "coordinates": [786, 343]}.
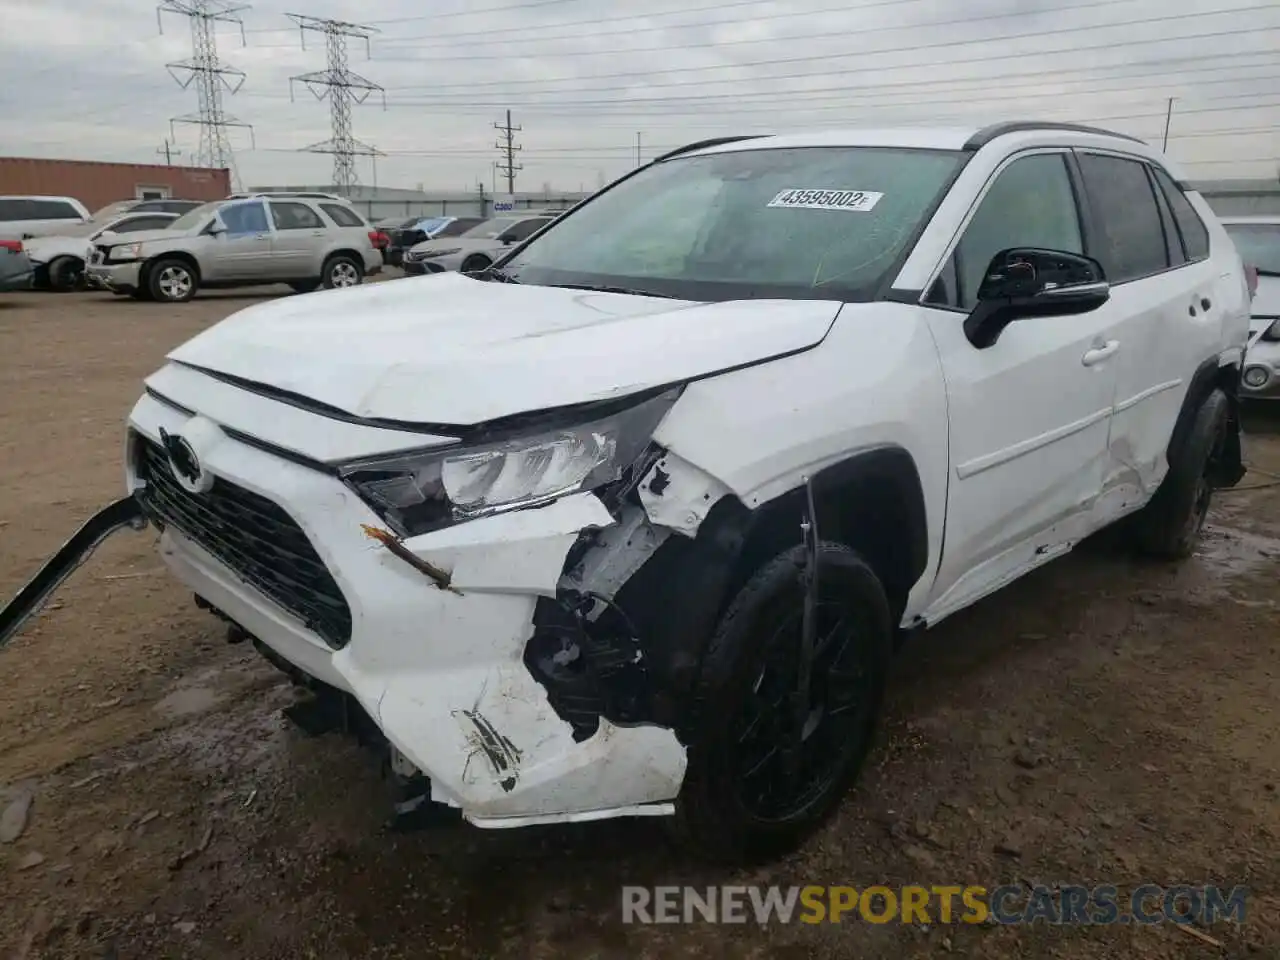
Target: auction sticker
{"type": "Point", "coordinates": [856, 200]}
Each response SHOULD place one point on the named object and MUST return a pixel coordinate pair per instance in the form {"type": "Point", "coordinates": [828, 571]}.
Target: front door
{"type": "Point", "coordinates": [243, 250]}
{"type": "Point", "coordinates": [1029, 414]}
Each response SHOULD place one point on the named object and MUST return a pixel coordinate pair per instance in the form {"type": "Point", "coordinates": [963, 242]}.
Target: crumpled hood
{"type": "Point", "coordinates": [450, 349]}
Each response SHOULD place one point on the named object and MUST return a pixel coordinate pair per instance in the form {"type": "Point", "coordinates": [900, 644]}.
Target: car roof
{"type": "Point", "coordinates": [35, 196]}
{"type": "Point", "coordinates": [919, 138]}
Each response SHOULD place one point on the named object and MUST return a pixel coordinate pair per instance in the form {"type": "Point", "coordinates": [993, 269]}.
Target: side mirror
{"type": "Point", "coordinates": [215, 228]}
{"type": "Point", "coordinates": [1025, 282]}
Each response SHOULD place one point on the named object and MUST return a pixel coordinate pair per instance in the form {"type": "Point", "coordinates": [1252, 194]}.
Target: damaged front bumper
{"type": "Point", "coordinates": [442, 670]}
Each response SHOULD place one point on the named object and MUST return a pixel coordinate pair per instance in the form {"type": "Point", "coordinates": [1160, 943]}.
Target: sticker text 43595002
{"type": "Point", "coordinates": [859, 201]}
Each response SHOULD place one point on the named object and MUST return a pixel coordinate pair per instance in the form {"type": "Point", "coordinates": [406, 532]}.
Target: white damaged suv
{"type": "Point", "coordinates": [632, 522]}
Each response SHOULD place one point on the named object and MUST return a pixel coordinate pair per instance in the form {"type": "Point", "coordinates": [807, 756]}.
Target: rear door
{"type": "Point", "coordinates": [1165, 301]}
{"type": "Point", "coordinates": [243, 252]}
{"type": "Point", "coordinates": [298, 246]}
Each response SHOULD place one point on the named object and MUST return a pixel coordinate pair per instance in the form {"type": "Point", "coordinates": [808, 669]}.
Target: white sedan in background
{"type": "Point", "coordinates": [476, 249]}
{"type": "Point", "coordinates": [58, 261]}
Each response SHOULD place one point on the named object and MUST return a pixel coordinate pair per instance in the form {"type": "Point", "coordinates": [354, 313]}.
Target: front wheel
{"type": "Point", "coordinates": [765, 771]}
{"type": "Point", "coordinates": [341, 271]}
{"type": "Point", "coordinates": [65, 274]}
{"type": "Point", "coordinates": [1169, 526]}
{"type": "Point", "coordinates": [172, 281]}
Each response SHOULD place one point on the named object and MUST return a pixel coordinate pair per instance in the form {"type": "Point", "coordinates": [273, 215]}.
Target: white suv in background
{"type": "Point", "coordinates": [1258, 240]}
{"type": "Point", "coordinates": [38, 216]}
{"type": "Point", "coordinates": [631, 523]}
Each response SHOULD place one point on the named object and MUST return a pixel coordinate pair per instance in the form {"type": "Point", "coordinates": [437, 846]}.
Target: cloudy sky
{"type": "Point", "coordinates": [586, 78]}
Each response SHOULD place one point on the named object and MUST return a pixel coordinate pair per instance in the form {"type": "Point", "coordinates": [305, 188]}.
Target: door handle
{"type": "Point", "coordinates": [1100, 353]}
{"type": "Point", "coordinates": [262, 236]}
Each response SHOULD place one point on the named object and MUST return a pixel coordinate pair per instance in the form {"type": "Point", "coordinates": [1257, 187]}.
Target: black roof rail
{"type": "Point", "coordinates": [987, 134]}
{"type": "Point", "coordinates": [704, 144]}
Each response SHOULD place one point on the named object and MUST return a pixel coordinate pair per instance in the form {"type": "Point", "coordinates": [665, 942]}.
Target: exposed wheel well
{"type": "Point", "coordinates": [872, 502]}
{"type": "Point", "coordinates": [1210, 376]}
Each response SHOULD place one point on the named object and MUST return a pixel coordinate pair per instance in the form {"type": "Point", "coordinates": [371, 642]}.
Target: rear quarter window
{"type": "Point", "coordinates": [342, 216]}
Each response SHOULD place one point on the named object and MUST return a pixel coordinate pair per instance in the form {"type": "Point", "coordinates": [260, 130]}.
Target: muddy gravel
{"type": "Point", "coordinates": [1102, 721]}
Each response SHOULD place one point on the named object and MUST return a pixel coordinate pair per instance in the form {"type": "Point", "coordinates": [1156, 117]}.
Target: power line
{"type": "Point", "coordinates": [861, 53]}
{"type": "Point", "coordinates": [342, 87]}
{"type": "Point", "coordinates": [511, 8]}
{"type": "Point", "coordinates": [508, 166]}
{"type": "Point", "coordinates": [210, 77]}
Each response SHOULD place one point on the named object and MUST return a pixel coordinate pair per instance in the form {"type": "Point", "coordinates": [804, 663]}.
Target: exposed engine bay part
{"type": "Point", "coordinates": [678, 495]}
{"type": "Point", "coordinates": [126, 512]}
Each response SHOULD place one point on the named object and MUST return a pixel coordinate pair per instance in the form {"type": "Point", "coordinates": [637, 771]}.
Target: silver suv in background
{"type": "Point", "coordinates": [1258, 241]}
{"type": "Point", "coordinates": [238, 243]}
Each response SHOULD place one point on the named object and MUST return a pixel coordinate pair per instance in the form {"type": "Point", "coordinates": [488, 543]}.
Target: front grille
{"type": "Point", "coordinates": [254, 538]}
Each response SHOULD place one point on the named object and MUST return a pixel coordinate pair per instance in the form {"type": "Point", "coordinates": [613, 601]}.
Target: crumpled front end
{"type": "Point", "coordinates": [433, 635]}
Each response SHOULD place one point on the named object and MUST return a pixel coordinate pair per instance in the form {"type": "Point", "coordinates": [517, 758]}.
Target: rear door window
{"type": "Point", "coordinates": [1131, 244]}
{"type": "Point", "coordinates": [53, 210]}
{"type": "Point", "coordinates": [295, 216]}
{"type": "Point", "coordinates": [14, 209]}
{"type": "Point", "coordinates": [1195, 235]}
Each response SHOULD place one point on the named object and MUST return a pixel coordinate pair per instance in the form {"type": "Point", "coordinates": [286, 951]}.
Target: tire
{"type": "Point", "coordinates": [729, 749]}
{"type": "Point", "coordinates": [171, 281]}
{"type": "Point", "coordinates": [1169, 526]}
{"type": "Point", "coordinates": [341, 271]}
{"type": "Point", "coordinates": [475, 262]}
{"type": "Point", "coordinates": [305, 286]}
{"type": "Point", "coordinates": [65, 274]}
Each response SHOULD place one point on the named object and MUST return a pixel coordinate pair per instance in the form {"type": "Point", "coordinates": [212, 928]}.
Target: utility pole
{"type": "Point", "coordinates": [508, 146]}
{"type": "Point", "coordinates": [167, 151]}
{"type": "Point", "coordinates": [342, 88]}
{"type": "Point", "coordinates": [1168, 119]}
{"type": "Point", "coordinates": [638, 148]}
{"type": "Point", "coordinates": [204, 69]}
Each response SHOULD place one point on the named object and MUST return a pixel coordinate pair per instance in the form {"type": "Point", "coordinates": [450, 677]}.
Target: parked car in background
{"type": "Point", "coordinates": [1258, 240]}
{"type": "Point", "coordinates": [478, 247]}
{"type": "Point", "coordinates": [408, 233]}
{"type": "Point", "coordinates": [15, 268]}
{"type": "Point", "coordinates": [289, 194]}
{"type": "Point", "coordinates": [120, 207]}
{"type": "Point", "coordinates": [236, 243]}
{"type": "Point", "coordinates": [59, 260]}
{"type": "Point", "coordinates": [37, 216]}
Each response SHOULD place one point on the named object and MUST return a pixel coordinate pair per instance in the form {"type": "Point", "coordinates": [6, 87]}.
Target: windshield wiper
{"type": "Point", "coordinates": [604, 288]}
{"type": "Point", "coordinates": [498, 275]}
{"type": "Point", "coordinates": [1264, 272]}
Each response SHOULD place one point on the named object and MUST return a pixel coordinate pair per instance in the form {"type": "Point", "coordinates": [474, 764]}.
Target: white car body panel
{"type": "Point", "coordinates": [1265, 313]}
{"type": "Point", "coordinates": [1022, 449]}
{"type": "Point", "coordinates": [429, 342]}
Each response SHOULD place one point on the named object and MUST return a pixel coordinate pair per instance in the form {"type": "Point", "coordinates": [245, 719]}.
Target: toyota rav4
{"type": "Point", "coordinates": [632, 522]}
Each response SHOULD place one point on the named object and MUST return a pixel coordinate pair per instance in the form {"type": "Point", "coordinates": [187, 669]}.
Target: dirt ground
{"type": "Point", "coordinates": [1102, 721]}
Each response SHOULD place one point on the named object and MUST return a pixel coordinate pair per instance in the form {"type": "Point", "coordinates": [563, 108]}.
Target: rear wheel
{"type": "Point", "coordinates": [341, 271]}
{"type": "Point", "coordinates": [172, 281]}
{"type": "Point", "coordinates": [762, 774]}
{"type": "Point", "coordinates": [1169, 526]}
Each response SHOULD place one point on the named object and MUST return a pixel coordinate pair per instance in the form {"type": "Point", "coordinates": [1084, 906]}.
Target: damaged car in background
{"type": "Point", "coordinates": [632, 522]}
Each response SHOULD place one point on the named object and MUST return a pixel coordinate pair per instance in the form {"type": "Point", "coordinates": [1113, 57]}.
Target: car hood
{"type": "Point", "coordinates": [449, 349]}
{"type": "Point", "coordinates": [464, 244]}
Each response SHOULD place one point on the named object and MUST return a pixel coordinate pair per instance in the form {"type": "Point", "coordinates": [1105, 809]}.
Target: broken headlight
{"type": "Point", "coordinates": [424, 490]}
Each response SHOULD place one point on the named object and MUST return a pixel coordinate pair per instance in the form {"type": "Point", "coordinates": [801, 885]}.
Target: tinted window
{"type": "Point", "coordinates": [459, 226]}
{"type": "Point", "coordinates": [1258, 245]}
{"type": "Point", "coordinates": [527, 228]}
{"type": "Point", "coordinates": [1195, 236]}
{"type": "Point", "coordinates": [1172, 239]}
{"type": "Point", "coordinates": [820, 222]}
{"type": "Point", "coordinates": [342, 216]}
{"type": "Point", "coordinates": [1131, 244]}
{"type": "Point", "coordinates": [142, 223]}
{"type": "Point", "coordinates": [241, 218]}
{"type": "Point", "coordinates": [52, 210]}
{"type": "Point", "coordinates": [1031, 204]}
{"type": "Point", "coordinates": [13, 210]}
{"type": "Point", "coordinates": [177, 206]}
{"type": "Point", "coordinates": [295, 216]}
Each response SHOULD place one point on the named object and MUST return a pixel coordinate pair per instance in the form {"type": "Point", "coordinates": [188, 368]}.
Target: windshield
{"type": "Point", "coordinates": [1258, 244]}
{"type": "Point", "coordinates": [492, 229]}
{"type": "Point", "coordinates": [195, 218]}
{"type": "Point", "coordinates": [815, 222]}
